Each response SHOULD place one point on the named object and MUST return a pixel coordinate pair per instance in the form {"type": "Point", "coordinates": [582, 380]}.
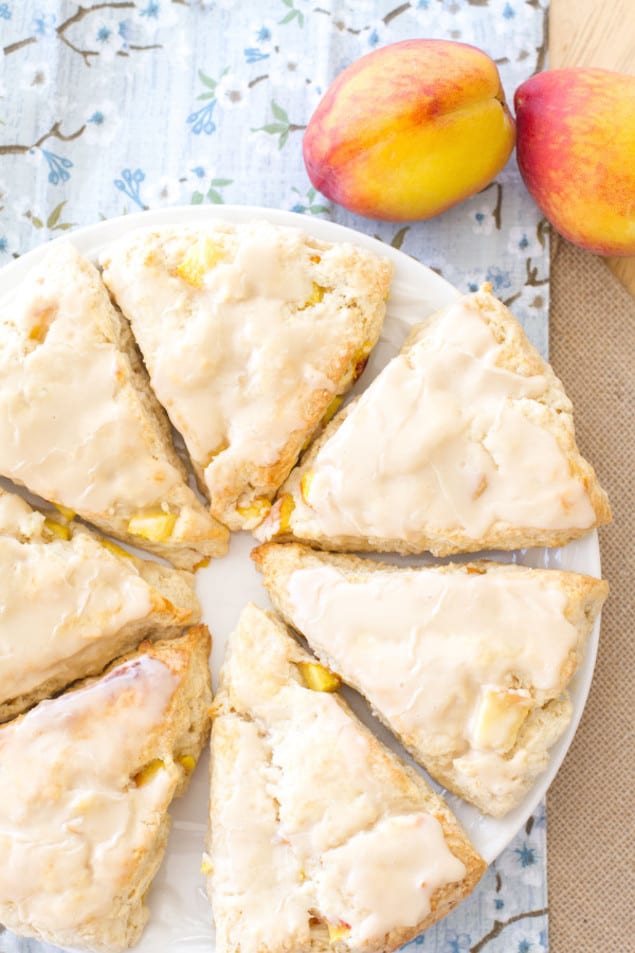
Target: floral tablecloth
{"type": "Point", "coordinates": [113, 107]}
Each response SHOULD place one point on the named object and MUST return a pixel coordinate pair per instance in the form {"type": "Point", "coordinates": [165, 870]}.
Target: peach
{"type": "Point", "coordinates": [576, 153]}
{"type": "Point", "coordinates": [409, 130]}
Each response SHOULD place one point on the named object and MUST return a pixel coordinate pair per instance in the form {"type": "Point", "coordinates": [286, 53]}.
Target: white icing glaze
{"type": "Point", "coordinates": [68, 417]}
{"type": "Point", "coordinates": [499, 776]}
{"type": "Point", "coordinates": [383, 879]}
{"type": "Point", "coordinates": [327, 797]}
{"type": "Point", "coordinates": [444, 439]}
{"type": "Point", "coordinates": [17, 518]}
{"type": "Point", "coordinates": [71, 817]}
{"type": "Point", "coordinates": [424, 645]}
{"type": "Point", "coordinates": [56, 599]}
{"type": "Point", "coordinates": [236, 360]}
{"type": "Point", "coordinates": [258, 881]}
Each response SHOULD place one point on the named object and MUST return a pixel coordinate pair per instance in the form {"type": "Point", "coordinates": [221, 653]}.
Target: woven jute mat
{"type": "Point", "coordinates": [590, 806]}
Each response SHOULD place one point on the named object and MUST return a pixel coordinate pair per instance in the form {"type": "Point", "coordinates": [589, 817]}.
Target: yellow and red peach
{"type": "Point", "coordinates": [409, 130]}
{"type": "Point", "coordinates": [576, 154]}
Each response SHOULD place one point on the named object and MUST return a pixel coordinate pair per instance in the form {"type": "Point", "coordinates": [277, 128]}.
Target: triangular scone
{"type": "Point", "coordinates": [72, 602]}
{"type": "Point", "coordinates": [465, 441]}
{"type": "Point", "coordinates": [85, 785]}
{"type": "Point", "coordinates": [250, 333]}
{"type": "Point", "coordinates": [320, 837]}
{"type": "Point", "coordinates": [78, 422]}
{"type": "Point", "coordinates": [467, 664]}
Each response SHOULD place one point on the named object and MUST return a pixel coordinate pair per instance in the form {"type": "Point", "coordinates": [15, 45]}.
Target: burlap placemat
{"type": "Point", "coordinates": [591, 842]}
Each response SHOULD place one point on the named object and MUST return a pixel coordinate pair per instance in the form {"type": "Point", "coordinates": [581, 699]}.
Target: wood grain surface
{"type": "Point", "coordinates": [596, 33]}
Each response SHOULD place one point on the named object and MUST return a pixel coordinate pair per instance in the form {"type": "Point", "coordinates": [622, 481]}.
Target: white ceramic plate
{"type": "Point", "coordinates": [180, 918]}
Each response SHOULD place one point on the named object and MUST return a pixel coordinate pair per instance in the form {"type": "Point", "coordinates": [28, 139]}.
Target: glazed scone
{"type": "Point", "coordinates": [85, 785]}
{"type": "Point", "coordinates": [468, 664]}
{"type": "Point", "coordinates": [465, 441]}
{"type": "Point", "coordinates": [251, 334]}
{"type": "Point", "coordinates": [71, 602]}
{"type": "Point", "coordinates": [79, 425]}
{"type": "Point", "coordinates": [309, 813]}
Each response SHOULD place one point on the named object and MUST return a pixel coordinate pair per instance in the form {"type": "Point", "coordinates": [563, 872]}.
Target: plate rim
{"type": "Point", "coordinates": [90, 239]}
{"type": "Point", "coordinates": [181, 214]}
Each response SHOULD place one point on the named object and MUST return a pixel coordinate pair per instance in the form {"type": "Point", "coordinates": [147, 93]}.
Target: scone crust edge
{"type": "Point", "coordinates": [183, 731]}
{"type": "Point", "coordinates": [398, 775]}
{"type": "Point", "coordinates": [585, 597]}
{"type": "Point", "coordinates": [251, 482]}
{"type": "Point", "coordinates": [518, 354]}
